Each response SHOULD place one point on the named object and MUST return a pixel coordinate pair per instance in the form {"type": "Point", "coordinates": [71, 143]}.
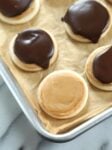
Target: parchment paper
{"type": "Point", "coordinates": [72, 55]}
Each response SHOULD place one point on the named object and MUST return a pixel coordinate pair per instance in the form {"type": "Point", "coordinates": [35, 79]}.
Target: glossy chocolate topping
{"type": "Point", "coordinates": [12, 8]}
{"type": "Point", "coordinates": [34, 47]}
{"type": "Point", "coordinates": [102, 66]}
{"type": "Point", "coordinates": [87, 18]}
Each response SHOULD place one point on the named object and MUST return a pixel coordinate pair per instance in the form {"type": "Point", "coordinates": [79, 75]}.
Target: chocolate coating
{"type": "Point", "coordinates": [102, 66]}
{"type": "Point", "coordinates": [88, 19]}
{"type": "Point", "coordinates": [12, 8]}
{"type": "Point", "coordinates": [34, 47]}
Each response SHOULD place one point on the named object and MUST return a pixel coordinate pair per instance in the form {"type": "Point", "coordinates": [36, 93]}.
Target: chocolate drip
{"type": "Point", "coordinates": [102, 66]}
{"type": "Point", "coordinates": [12, 8]}
{"type": "Point", "coordinates": [34, 47]}
{"type": "Point", "coordinates": [88, 19]}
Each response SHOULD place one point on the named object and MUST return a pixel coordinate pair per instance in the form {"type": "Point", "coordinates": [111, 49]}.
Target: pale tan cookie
{"type": "Point", "coordinates": [63, 94]}
{"type": "Point", "coordinates": [25, 16]}
{"type": "Point", "coordinates": [32, 67]}
{"type": "Point", "coordinates": [89, 70]}
{"type": "Point", "coordinates": [83, 39]}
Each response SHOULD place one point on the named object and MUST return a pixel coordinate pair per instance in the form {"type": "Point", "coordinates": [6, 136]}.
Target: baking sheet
{"type": "Point", "coordinates": [72, 55]}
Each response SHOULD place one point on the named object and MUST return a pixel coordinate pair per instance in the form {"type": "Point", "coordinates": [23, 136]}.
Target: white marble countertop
{"type": "Point", "coordinates": [16, 133]}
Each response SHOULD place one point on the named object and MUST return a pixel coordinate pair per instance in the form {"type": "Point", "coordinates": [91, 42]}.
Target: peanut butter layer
{"type": "Point", "coordinates": [63, 94]}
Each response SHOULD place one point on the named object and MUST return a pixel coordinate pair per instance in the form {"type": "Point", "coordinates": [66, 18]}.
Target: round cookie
{"type": "Point", "coordinates": [104, 84]}
{"type": "Point", "coordinates": [77, 26]}
{"type": "Point", "coordinates": [63, 94]}
{"type": "Point", "coordinates": [33, 50]}
{"type": "Point", "coordinates": [25, 16]}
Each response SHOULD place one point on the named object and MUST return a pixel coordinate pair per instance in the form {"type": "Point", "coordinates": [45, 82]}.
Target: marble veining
{"type": "Point", "coordinates": [21, 148]}
{"type": "Point", "coordinates": [104, 146]}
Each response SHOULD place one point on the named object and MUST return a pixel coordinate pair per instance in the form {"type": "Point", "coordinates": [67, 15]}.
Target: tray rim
{"type": "Point", "coordinates": [22, 101]}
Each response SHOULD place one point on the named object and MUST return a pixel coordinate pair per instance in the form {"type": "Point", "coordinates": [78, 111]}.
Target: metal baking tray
{"type": "Point", "coordinates": [33, 118]}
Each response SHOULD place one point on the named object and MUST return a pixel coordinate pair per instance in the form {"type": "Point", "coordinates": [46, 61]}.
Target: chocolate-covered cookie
{"type": "Point", "coordinates": [18, 11]}
{"type": "Point", "coordinates": [12, 8]}
{"type": "Point", "coordinates": [35, 49]}
{"type": "Point", "coordinates": [87, 20]}
{"type": "Point", "coordinates": [99, 68]}
{"type": "Point", "coordinates": [102, 66]}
